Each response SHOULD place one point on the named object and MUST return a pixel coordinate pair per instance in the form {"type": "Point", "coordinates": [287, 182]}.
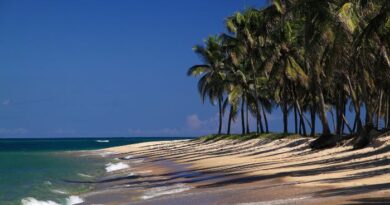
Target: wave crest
{"type": "Point", "coordinates": [111, 167]}
{"type": "Point", "coordinates": [72, 200]}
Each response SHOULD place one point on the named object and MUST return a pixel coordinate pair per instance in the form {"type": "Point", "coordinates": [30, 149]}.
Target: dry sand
{"type": "Point", "coordinates": [258, 171]}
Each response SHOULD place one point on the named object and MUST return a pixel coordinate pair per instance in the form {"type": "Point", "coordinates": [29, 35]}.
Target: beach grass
{"type": "Point", "coordinates": [270, 136]}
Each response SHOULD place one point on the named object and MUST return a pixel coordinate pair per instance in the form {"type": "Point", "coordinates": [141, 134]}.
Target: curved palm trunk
{"type": "Point", "coordinates": [323, 118]}
{"type": "Point", "coordinates": [265, 121]}
{"type": "Point", "coordinates": [220, 115]}
{"type": "Point", "coordinates": [302, 126]}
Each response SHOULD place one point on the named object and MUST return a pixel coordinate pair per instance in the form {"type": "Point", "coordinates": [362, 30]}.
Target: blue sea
{"type": "Point", "coordinates": [38, 171]}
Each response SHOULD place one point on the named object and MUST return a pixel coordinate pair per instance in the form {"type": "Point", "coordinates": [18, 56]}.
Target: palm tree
{"type": "Point", "coordinates": [211, 84]}
{"type": "Point", "coordinates": [308, 56]}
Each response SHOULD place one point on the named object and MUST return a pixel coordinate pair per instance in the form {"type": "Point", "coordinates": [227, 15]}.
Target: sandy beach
{"type": "Point", "coordinates": [258, 171]}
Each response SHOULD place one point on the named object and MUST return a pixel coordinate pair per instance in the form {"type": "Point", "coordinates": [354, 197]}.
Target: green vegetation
{"type": "Point", "coordinates": [270, 136]}
{"type": "Point", "coordinates": [306, 57]}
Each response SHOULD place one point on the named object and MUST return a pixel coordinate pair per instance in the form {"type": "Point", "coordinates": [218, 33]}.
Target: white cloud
{"type": "Point", "coordinates": [194, 122]}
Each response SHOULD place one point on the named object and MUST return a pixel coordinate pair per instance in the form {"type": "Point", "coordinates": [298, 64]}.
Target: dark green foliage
{"type": "Point", "coordinates": [307, 57]}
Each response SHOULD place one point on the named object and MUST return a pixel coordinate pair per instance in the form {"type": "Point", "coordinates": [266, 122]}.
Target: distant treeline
{"type": "Point", "coordinates": [309, 58]}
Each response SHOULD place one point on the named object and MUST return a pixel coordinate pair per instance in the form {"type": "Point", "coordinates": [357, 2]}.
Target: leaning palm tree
{"type": "Point", "coordinates": [211, 83]}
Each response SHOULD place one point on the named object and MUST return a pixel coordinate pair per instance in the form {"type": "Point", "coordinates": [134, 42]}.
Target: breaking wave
{"type": "Point", "coordinates": [111, 167]}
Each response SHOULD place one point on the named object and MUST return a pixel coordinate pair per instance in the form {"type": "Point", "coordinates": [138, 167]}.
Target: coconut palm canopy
{"type": "Point", "coordinates": [307, 58]}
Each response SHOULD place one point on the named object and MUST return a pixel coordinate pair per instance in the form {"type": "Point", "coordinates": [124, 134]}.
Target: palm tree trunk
{"type": "Point", "coordinates": [333, 120]}
{"type": "Point", "coordinates": [302, 125]}
{"type": "Point", "coordinates": [242, 115]}
{"type": "Point", "coordinates": [258, 115]}
{"type": "Point", "coordinates": [387, 124]}
{"type": "Point", "coordinates": [220, 115]}
{"type": "Point", "coordinates": [313, 121]}
{"type": "Point", "coordinates": [295, 119]}
{"type": "Point", "coordinates": [257, 121]}
{"type": "Point", "coordinates": [247, 119]}
{"type": "Point", "coordinates": [364, 138]}
{"type": "Point", "coordinates": [265, 120]}
{"type": "Point", "coordinates": [344, 122]}
{"type": "Point", "coordinates": [369, 114]}
{"type": "Point", "coordinates": [260, 120]}
{"type": "Point", "coordinates": [230, 119]}
{"type": "Point", "coordinates": [358, 122]}
{"type": "Point", "coordinates": [285, 116]}
{"type": "Point", "coordinates": [339, 112]}
{"type": "Point", "coordinates": [323, 118]}
{"type": "Point", "coordinates": [379, 110]}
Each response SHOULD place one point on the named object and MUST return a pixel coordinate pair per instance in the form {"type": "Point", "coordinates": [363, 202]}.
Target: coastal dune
{"type": "Point", "coordinates": [259, 171]}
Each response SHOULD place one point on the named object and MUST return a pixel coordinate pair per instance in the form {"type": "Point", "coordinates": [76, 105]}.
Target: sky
{"type": "Point", "coordinates": [107, 68]}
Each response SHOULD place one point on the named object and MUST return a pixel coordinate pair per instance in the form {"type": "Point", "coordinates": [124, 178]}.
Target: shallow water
{"type": "Point", "coordinates": [46, 171]}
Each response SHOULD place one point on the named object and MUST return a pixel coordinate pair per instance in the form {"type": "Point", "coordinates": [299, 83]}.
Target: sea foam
{"type": "Point", "coordinates": [111, 167]}
{"type": "Point", "coordinates": [160, 191]}
{"type": "Point", "coordinates": [72, 200]}
{"type": "Point", "coordinates": [59, 191]}
{"type": "Point", "coordinates": [85, 175]}
{"type": "Point", "coordinates": [33, 201]}
{"type": "Point", "coordinates": [128, 157]}
{"type": "Point", "coordinates": [103, 141]}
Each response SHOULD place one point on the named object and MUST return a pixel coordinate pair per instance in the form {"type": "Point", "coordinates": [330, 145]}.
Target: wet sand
{"type": "Point", "coordinates": [252, 172]}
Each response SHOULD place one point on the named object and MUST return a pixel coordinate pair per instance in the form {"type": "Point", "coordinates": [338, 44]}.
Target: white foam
{"type": "Point", "coordinates": [104, 154]}
{"type": "Point", "coordinates": [103, 141]}
{"type": "Point", "coordinates": [110, 167]}
{"type": "Point", "coordinates": [128, 157]}
{"type": "Point", "coordinates": [84, 175]}
{"type": "Point", "coordinates": [160, 191]}
{"type": "Point", "coordinates": [33, 201]}
{"type": "Point", "coordinates": [72, 200]}
{"type": "Point", "coordinates": [59, 191]}
{"type": "Point", "coordinates": [279, 201]}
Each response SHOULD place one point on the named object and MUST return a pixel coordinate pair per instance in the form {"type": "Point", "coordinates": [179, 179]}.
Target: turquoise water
{"type": "Point", "coordinates": [41, 168]}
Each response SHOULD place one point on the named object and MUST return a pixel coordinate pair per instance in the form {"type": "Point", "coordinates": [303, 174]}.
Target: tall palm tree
{"type": "Point", "coordinates": [211, 84]}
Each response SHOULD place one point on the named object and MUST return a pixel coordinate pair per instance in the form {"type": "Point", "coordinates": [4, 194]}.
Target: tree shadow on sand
{"type": "Point", "coordinates": [376, 201]}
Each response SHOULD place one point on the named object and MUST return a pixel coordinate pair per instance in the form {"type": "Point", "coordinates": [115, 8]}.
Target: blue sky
{"type": "Point", "coordinates": [106, 68]}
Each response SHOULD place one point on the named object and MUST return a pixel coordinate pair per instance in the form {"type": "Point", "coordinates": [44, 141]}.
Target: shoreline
{"type": "Point", "coordinates": [257, 171]}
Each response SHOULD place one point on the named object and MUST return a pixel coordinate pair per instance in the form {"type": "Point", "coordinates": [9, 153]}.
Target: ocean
{"type": "Point", "coordinates": [43, 171]}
